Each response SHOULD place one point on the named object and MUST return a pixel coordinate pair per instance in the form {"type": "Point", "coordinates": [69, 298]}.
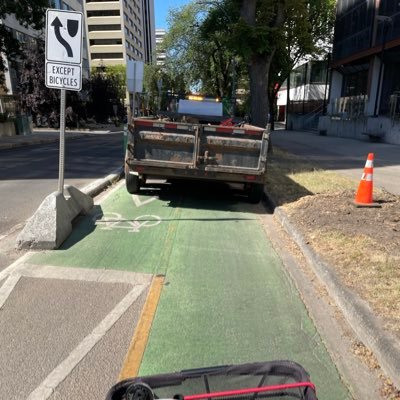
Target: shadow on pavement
{"type": "Point", "coordinates": [82, 226]}
{"type": "Point", "coordinates": [216, 196]}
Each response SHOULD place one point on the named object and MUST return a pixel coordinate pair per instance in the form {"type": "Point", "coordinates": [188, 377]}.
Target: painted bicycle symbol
{"type": "Point", "coordinates": [111, 221]}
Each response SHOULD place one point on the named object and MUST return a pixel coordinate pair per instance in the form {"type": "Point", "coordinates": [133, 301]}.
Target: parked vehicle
{"type": "Point", "coordinates": [207, 151]}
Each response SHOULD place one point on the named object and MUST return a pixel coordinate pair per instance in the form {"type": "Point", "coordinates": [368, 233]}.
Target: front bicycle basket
{"type": "Point", "coordinates": [284, 380]}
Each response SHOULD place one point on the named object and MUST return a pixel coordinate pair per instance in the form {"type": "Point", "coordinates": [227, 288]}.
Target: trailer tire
{"type": "Point", "coordinates": [256, 192]}
{"type": "Point", "coordinates": [132, 183]}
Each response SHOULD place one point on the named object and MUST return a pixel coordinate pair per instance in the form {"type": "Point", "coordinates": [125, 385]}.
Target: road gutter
{"type": "Point", "coordinates": [366, 325]}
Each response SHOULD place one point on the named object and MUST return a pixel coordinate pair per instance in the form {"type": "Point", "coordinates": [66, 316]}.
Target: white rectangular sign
{"type": "Point", "coordinates": [64, 36]}
{"type": "Point", "coordinates": [64, 49]}
{"type": "Point", "coordinates": [63, 76]}
{"type": "Point", "coordinates": [134, 75]}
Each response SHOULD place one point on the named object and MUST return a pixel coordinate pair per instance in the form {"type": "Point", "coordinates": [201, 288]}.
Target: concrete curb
{"type": "Point", "coordinates": [366, 325]}
{"type": "Point", "coordinates": [99, 185]}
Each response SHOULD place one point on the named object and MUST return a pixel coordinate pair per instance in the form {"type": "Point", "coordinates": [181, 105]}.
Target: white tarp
{"type": "Point", "coordinates": [200, 107]}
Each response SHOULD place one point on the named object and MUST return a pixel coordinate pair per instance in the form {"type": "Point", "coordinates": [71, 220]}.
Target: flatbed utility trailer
{"type": "Point", "coordinates": [170, 149]}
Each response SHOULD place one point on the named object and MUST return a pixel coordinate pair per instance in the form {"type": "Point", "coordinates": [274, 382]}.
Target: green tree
{"type": "Point", "coordinates": [107, 88]}
{"type": "Point", "coordinates": [215, 43]}
{"type": "Point", "coordinates": [35, 98]}
{"type": "Point", "coordinates": [182, 44]}
{"type": "Point", "coordinates": [265, 28]}
{"type": "Point", "coordinates": [27, 13]}
{"type": "Point", "coordinates": [197, 52]}
{"type": "Point", "coordinates": [172, 84]}
{"type": "Point", "coordinates": [313, 39]}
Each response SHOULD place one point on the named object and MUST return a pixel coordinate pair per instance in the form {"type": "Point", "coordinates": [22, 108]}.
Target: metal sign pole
{"type": "Point", "coordinates": [62, 142]}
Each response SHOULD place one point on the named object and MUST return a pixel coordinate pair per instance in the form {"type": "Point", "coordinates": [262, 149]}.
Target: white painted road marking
{"type": "Point", "coordinates": [8, 287]}
{"type": "Point", "coordinates": [111, 221]}
{"type": "Point", "coordinates": [84, 274]}
{"type": "Point", "coordinates": [58, 375]}
{"type": "Point", "coordinates": [14, 266]}
{"type": "Point", "coordinates": [140, 203]}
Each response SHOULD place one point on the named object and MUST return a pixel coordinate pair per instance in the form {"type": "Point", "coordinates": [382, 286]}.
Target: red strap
{"type": "Point", "coordinates": [227, 122]}
{"type": "Point", "coordinates": [250, 390]}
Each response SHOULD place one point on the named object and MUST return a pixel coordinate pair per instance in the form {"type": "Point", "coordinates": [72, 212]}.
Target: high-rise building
{"type": "Point", "coordinates": [160, 34]}
{"type": "Point", "coordinates": [119, 30]}
{"type": "Point", "coordinates": [149, 30]}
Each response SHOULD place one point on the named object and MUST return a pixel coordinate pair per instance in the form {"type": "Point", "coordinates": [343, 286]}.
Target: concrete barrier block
{"type": "Point", "coordinates": [80, 202]}
{"type": "Point", "coordinates": [51, 224]}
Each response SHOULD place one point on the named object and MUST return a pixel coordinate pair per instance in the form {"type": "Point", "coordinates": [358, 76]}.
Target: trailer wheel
{"type": "Point", "coordinates": [132, 183]}
{"type": "Point", "coordinates": [255, 192]}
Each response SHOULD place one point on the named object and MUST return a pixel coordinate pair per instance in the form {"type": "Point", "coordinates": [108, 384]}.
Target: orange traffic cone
{"type": "Point", "coordinates": [365, 189]}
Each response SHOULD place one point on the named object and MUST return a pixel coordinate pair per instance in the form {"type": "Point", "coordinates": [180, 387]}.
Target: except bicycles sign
{"type": "Point", "coordinates": [64, 49]}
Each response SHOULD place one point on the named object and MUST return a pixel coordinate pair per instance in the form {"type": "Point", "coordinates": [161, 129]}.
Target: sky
{"type": "Point", "coordinates": [161, 8]}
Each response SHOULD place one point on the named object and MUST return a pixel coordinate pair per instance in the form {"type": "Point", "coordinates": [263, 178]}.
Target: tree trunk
{"type": "Point", "coordinates": [258, 73]}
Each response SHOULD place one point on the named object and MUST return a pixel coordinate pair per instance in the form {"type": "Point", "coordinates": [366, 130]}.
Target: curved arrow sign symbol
{"type": "Point", "coordinates": [57, 25]}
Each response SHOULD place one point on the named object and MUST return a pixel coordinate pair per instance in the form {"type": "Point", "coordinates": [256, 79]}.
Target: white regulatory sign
{"type": "Point", "coordinates": [63, 76]}
{"type": "Point", "coordinates": [64, 49]}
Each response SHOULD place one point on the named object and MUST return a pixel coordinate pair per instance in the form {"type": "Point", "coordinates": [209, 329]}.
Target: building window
{"type": "Point", "coordinates": [356, 84]}
{"type": "Point", "coordinates": [99, 56]}
{"type": "Point", "coordinates": [102, 42]}
{"type": "Point", "coordinates": [99, 28]}
{"type": "Point", "coordinates": [103, 13]}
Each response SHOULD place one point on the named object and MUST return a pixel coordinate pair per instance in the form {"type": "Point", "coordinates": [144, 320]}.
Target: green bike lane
{"type": "Point", "coordinates": [226, 297]}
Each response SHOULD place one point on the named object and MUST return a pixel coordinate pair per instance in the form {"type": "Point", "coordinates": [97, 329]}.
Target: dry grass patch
{"type": "Point", "coordinates": [290, 178]}
{"type": "Point", "coordinates": [366, 267]}
{"type": "Point", "coordinates": [362, 245]}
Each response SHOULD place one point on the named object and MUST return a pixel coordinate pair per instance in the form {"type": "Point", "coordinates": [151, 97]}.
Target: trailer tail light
{"type": "Point", "coordinates": [250, 177]}
{"type": "Point", "coordinates": [139, 169]}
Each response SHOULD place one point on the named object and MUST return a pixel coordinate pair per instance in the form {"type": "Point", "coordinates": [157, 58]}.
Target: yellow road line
{"type": "Point", "coordinates": [137, 347]}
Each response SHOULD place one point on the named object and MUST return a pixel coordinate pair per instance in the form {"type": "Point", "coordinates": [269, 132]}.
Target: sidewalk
{"type": "Point", "coordinates": [44, 136]}
{"type": "Point", "coordinates": [344, 156]}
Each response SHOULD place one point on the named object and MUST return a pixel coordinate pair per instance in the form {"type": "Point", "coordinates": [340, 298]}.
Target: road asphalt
{"type": "Point", "coordinates": [42, 136]}
{"type": "Point", "coordinates": [165, 333]}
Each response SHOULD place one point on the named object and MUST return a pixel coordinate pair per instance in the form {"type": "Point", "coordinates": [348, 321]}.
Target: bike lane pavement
{"type": "Point", "coordinates": [226, 297]}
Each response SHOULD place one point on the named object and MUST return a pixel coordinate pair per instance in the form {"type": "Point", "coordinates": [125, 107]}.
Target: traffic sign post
{"type": "Point", "coordinates": [134, 75]}
{"type": "Point", "coordinates": [64, 42]}
{"type": "Point", "coordinates": [52, 222]}
{"type": "Point", "coordinates": [63, 64]}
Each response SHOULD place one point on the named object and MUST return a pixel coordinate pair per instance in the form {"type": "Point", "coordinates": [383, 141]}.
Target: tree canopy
{"type": "Point", "coordinates": [215, 43]}
{"type": "Point", "coordinates": [27, 13]}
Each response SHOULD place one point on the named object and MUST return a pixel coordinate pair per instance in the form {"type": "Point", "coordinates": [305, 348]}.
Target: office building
{"type": "Point", "coordinates": [160, 52]}
{"type": "Point", "coordinates": [365, 84]}
{"type": "Point", "coordinates": [120, 30]}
